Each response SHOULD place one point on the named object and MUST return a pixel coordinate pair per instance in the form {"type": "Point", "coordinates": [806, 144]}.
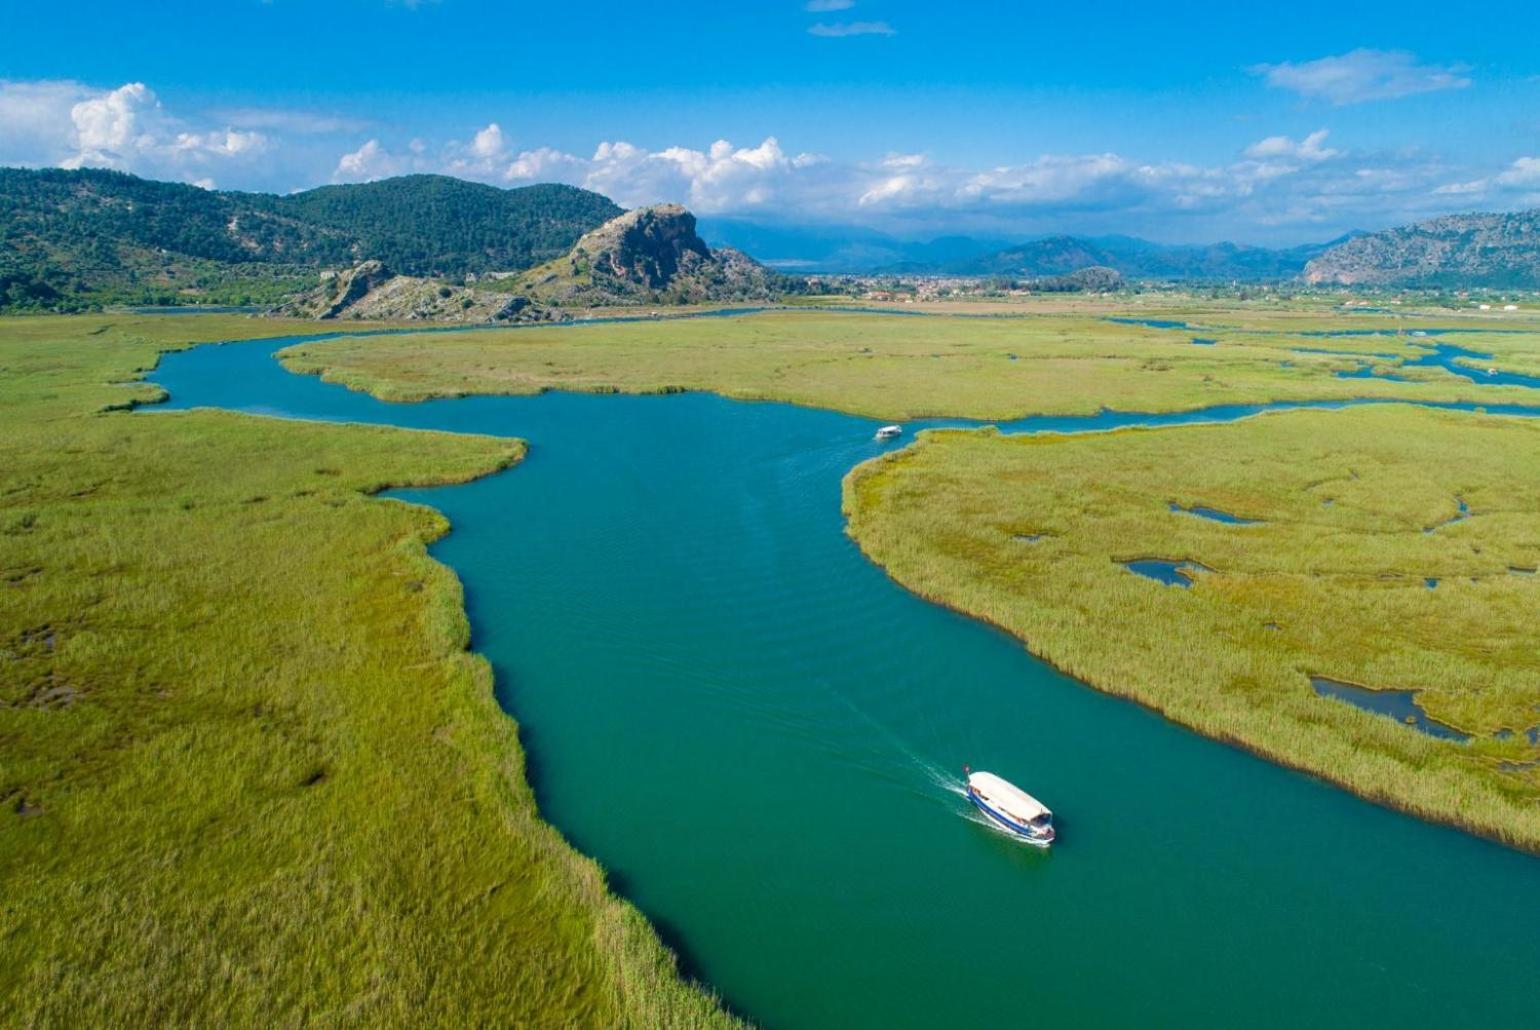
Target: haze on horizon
{"type": "Point", "coordinates": [914, 119]}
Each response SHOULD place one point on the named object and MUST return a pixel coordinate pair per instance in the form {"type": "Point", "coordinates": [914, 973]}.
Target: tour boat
{"type": "Point", "coordinates": [1011, 809]}
{"type": "Point", "coordinates": [889, 432]}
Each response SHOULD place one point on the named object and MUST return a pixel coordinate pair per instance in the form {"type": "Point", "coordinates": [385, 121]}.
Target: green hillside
{"type": "Point", "coordinates": [77, 239]}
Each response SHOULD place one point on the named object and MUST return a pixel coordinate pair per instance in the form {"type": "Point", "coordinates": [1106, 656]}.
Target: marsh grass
{"type": "Point", "coordinates": [897, 367]}
{"type": "Point", "coordinates": [1312, 589]}
{"type": "Point", "coordinates": [249, 773]}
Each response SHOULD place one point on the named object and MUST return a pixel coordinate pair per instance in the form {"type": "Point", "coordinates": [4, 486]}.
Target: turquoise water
{"type": "Point", "coordinates": [1203, 511]}
{"type": "Point", "coordinates": [1164, 570]}
{"type": "Point", "coordinates": [1400, 705]}
{"type": "Point", "coordinates": [761, 738]}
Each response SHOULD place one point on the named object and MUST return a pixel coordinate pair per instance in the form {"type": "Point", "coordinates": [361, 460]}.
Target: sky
{"type": "Point", "coordinates": [1273, 124]}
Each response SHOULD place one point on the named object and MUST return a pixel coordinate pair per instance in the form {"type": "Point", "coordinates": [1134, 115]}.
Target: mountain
{"type": "Point", "coordinates": [652, 255]}
{"type": "Point", "coordinates": [858, 250]}
{"type": "Point", "coordinates": [840, 248]}
{"type": "Point", "coordinates": [1501, 251]}
{"type": "Point", "coordinates": [1141, 259]}
{"type": "Point", "coordinates": [438, 225]}
{"type": "Point", "coordinates": [69, 238]}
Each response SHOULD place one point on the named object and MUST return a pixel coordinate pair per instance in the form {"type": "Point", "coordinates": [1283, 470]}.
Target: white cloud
{"type": "Point", "coordinates": [277, 119]}
{"type": "Point", "coordinates": [72, 125]}
{"type": "Point", "coordinates": [1308, 149]}
{"type": "Point", "coordinates": [1362, 75]}
{"type": "Point", "coordinates": [35, 126]}
{"type": "Point", "coordinates": [1523, 172]}
{"type": "Point", "coordinates": [1522, 176]}
{"type": "Point", "coordinates": [852, 28]}
{"type": "Point", "coordinates": [546, 164]}
{"type": "Point", "coordinates": [489, 143]}
{"type": "Point", "coordinates": [1278, 185]}
{"type": "Point", "coordinates": [370, 161]}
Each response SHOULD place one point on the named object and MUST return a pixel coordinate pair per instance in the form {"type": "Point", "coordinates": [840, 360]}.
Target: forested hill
{"type": "Point", "coordinates": [428, 224]}
{"type": "Point", "coordinates": [103, 235]}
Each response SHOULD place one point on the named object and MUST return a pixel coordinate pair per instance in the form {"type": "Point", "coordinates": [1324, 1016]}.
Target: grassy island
{"type": "Point", "coordinates": [1392, 548]}
{"type": "Point", "coordinates": [1039, 361]}
{"type": "Point", "coordinates": [249, 772]}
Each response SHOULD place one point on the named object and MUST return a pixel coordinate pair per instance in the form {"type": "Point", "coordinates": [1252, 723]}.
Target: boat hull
{"type": "Point", "coordinates": [1004, 822]}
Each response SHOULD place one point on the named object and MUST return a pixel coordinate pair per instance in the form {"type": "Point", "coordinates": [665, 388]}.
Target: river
{"type": "Point", "coordinates": [761, 738]}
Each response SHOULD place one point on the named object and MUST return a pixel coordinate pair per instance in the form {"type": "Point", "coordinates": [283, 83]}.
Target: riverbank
{"type": "Point", "coordinates": [249, 769]}
{"type": "Point", "coordinates": [1381, 546]}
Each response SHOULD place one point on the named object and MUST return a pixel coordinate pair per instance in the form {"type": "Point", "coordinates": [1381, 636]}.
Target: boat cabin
{"type": "Point", "coordinates": [1011, 808]}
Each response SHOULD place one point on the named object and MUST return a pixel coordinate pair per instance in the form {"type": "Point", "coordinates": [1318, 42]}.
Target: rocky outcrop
{"type": "Point", "coordinates": [652, 255]}
{"type": "Point", "coordinates": [647, 247]}
{"type": "Point", "coordinates": [1493, 250]}
{"type": "Point", "coordinates": [371, 292]}
{"type": "Point", "coordinates": [348, 287]}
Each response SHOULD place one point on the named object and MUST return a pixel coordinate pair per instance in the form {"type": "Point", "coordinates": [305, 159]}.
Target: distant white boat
{"type": "Point", "coordinates": [1491, 371]}
{"type": "Point", "coordinates": [890, 432]}
{"type": "Point", "coordinates": [1011, 809]}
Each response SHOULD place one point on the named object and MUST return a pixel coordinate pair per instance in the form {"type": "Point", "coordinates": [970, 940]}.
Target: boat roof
{"type": "Point", "coordinates": [1011, 798]}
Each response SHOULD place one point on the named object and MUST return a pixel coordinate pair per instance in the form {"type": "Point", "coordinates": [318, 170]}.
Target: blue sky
{"type": "Point", "coordinates": [1205, 122]}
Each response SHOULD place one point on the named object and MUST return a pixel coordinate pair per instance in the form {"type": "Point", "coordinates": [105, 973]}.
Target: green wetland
{"type": "Point", "coordinates": [759, 736]}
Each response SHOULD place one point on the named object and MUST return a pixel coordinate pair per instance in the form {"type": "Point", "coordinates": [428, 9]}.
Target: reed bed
{"type": "Point", "coordinates": [1354, 510]}
{"type": "Point", "coordinates": [249, 774]}
{"type": "Point", "coordinates": [899, 367]}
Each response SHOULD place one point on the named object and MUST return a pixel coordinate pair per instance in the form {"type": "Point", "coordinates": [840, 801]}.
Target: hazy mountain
{"type": "Point", "coordinates": [854, 249]}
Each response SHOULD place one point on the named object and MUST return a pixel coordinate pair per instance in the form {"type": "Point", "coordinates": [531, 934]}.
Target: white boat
{"type": "Point", "coordinates": [889, 432]}
{"type": "Point", "coordinates": [1011, 809]}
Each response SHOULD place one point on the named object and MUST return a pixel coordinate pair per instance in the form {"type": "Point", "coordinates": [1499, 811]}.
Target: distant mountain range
{"type": "Point", "coordinates": [81, 238]}
{"type": "Point", "coordinates": [851, 249]}
{"type": "Point", "coordinates": [1501, 251]}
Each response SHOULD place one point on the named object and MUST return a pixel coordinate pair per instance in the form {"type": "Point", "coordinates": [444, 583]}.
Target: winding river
{"type": "Point", "coordinates": [760, 737]}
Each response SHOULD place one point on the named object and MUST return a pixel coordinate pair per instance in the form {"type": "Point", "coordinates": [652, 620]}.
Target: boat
{"type": "Point", "coordinates": [1011, 809]}
{"type": "Point", "coordinates": [889, 432]}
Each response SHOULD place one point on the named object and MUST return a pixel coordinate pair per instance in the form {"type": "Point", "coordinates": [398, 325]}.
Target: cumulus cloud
{"type": "Point", "coordinates": [1521, 179]}
{"type": "Point", "coordinates": [835, 30]}
{"type": "Point", "coordinates": [72, 125]}
{"type": "Point", "coordinates": [369, 162]}
{"type": "Point", "coordinates": [1362, 75]}
{"type": "Point", "coordinates": [489, 143]}
{"type": "Point", "coordinates": [1294, 184]}
{"type": "Point", "coordinates": [1523, 172]}
{"type": "Point", "coordinates": [1282, 147]}
{"type": "Point", "coordinates": [722, 177]}
{"type": "Point", "coordinates": [1277, 184]}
